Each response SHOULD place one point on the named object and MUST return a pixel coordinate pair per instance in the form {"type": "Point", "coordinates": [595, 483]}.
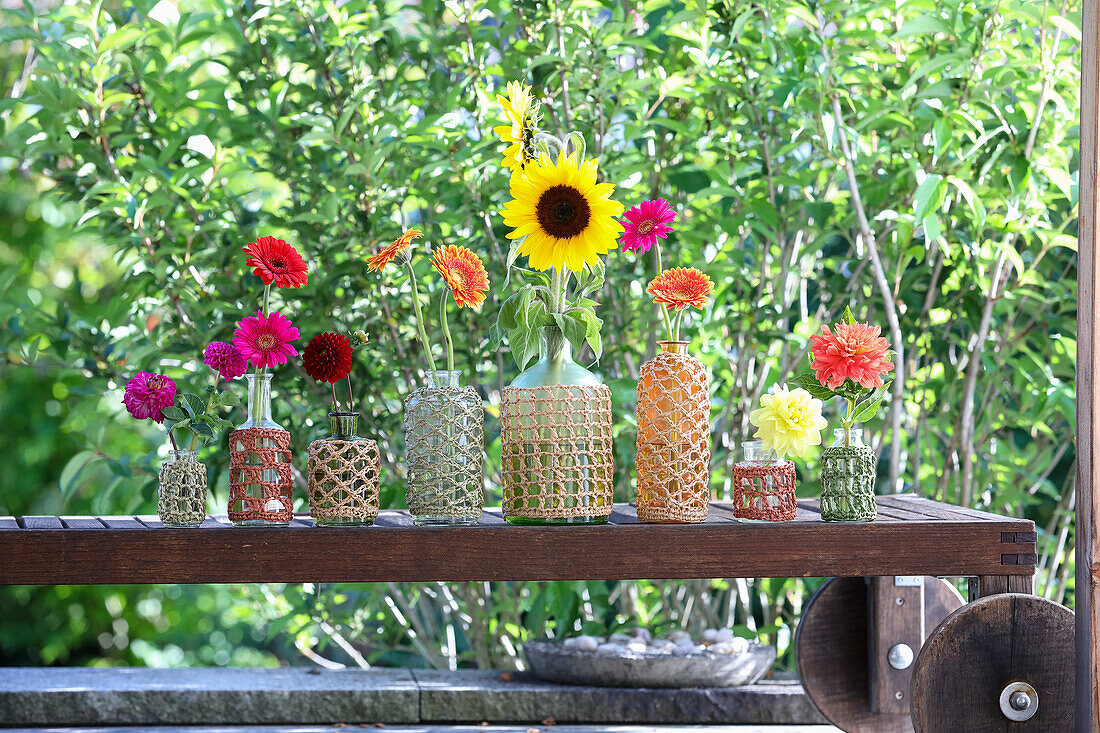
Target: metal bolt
{"type": "Point", "coordinates": [900, 601]}
{"type": "Point", "coordinates": [900, 656]}
{"type": "Point", "coordinates": [1019, 701]}
{"type": "Point", "coordinates": [898, 695]}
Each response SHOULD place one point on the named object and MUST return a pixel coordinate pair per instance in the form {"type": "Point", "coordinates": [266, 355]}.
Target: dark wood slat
{"type": "Point", "coordinates": [721, 512]}
{"type": "Point", "coordinates": [624, 514]}
{"type": "Point", "coordinates": [491, 516]}
{"type": "Point", "coordinates": [302, 521]}
{"type": "Point", "coordinates": [119, 522]}
{"type": "Point", "coordinates": [920, 503]}
{"type": "Point", "coordinates": [9, 523]}
{"type": "Point", "coordinates": [39, 522]}
{"type": "Point", "coordinates": [392, 518]}
{"type": "Point", "coordinates": [82, 522]}
{"type": "Point", "coordinates": [150, 521]}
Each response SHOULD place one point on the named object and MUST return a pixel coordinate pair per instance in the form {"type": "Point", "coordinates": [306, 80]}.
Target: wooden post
{"type": "Point", "coordinates": [1087, 595]}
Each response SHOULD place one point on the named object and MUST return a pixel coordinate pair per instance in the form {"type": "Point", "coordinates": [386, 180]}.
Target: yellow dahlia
{"type": "Point", "coordinates": [565, 218]}
{"type": "Point", "coordinates": [788, 421]}
{"type": "Point", "coordinates": [464, 274]}
{"type": "Point", "coordinates": [519, 133]}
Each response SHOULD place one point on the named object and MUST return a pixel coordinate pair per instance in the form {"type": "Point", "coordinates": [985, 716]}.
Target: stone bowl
{"type": "Point", "coordinates": [552, 662]}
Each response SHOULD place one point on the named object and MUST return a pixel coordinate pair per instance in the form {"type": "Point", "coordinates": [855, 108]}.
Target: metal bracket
{"type": "Point", "coordinates": [896, 631]}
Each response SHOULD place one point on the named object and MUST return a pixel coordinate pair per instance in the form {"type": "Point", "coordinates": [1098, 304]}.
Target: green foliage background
{"type": "Point", "coordinates": [915, 159]}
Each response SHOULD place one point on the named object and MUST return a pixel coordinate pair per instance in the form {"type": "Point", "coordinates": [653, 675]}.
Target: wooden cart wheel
{"type": "Point", "coordinates": [1001, 663]}
{"type": "Point", "coordinates": [831, 651]}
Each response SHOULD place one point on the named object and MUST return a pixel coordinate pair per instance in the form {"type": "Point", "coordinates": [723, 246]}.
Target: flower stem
{"type": "Point", "coordinates": [847, 422]}
{"type": "Point", "coordinates": [420, 317]}
{"type": "Point", "coordinates": [267, 299]}
{"type": "Point", "coordinates": [335, 402]}
{"type": "Point", "coordinates": [351, 396]}
{"type": "Point", "coordinates": [446, 331]}
{"type": "Point", "coordinates": [676, 327]}
{"type": "Point", "coordinates": [664, 311]}
{"type": "Point", "coordinates": [557, 291]}
{"type": "Point", "coordinates": [172, 438]}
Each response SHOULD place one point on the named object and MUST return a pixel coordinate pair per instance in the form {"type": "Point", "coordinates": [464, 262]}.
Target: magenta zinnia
{"type": "Point", "coordinates": [225, 359]}
{"type": "Point", "coordinates": [645, 224]}
{"type": "Point", "coordinates": [147, 394]}
{"type": "Point", "coordinates": [265, 342]}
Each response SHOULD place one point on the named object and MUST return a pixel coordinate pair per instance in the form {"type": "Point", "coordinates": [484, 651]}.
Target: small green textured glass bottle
{"type": "Point", "coordinates": [848, 471]}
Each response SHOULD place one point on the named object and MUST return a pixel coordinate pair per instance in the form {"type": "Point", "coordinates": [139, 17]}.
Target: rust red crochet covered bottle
{"type": "Point", "coordinates": [259, 463]}
{"type": "Point", "coordinates": [763, 486]}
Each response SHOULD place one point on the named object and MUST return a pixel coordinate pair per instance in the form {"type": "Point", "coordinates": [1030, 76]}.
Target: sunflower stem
{"type": "Point", "coordinates": [420, 316]}
{"type": "Point", "coordinates": [446, 331]}
{"type": "Point", "coordinates": [557, 290]}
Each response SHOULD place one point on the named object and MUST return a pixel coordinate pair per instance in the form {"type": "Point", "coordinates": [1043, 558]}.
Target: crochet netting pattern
{"type": "Point", "coordinates": [181, 500]}
{"type": "Point", "coordinates": [556, 451]}
{"type": "Point", "coordinates": [259, 475]}
{"type": "Point", "coordinates": [673, 447]}
{"type": "Point", "coordinates": [444, 441]}
{"type": "Point", "coordinates": [764, 492]}
{"type": "Point", "coordinates": [848, 484]}
{"type": "Point", "coordinates": [343, 479]}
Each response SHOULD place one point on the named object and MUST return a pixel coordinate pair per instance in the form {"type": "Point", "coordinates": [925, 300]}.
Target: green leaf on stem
{"type": "Point", "coordinates": [816, 389]}
{"type": "Point", "coordinates": [869, 406]}
{"type": "Point", "coordinates": [848, 317]}
{"type": "Point", "coordinates": [524, 345]}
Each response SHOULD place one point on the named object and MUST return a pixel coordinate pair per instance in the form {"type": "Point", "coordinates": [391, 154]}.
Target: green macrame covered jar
{"type": "Point", "coordinates": [848, 479]}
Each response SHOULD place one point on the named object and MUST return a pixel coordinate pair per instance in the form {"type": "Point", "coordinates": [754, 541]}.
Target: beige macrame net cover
{"type": "Point", "coordinates": [444, 439]}
{"type": "Point", "coordinates": [343, 477]}
{"type": "Point", "coordinates": [556, 451]}
{"type": "Point", "coordinates": [181, 499]}
{"type": "Point", "coordinates": [764, 491]}
{"type": "Point", "coordinates": [673, 448]}
{"type": "Point", "coordinates": [259, 475]}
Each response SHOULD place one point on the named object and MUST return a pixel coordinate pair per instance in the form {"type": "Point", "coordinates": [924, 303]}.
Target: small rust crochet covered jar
{"type": "Point", "coordinates": [763, 486]}
{"type": "Point", "coordinates": [343, 475]}
{"type": "Point", "coordinates": [673, 447]}
{"type": "Point", "coordinates": [260, 488]}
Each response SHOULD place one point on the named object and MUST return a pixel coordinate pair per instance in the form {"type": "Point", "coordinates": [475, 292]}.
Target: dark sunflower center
{"type": "Point", "coordinates": [266, 342]}
{"type": "Point", "coordinates": [563, 212]}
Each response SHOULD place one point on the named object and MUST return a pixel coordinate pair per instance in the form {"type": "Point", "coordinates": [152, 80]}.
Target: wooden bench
{"type": "Point", "coordinates": [912, 536]}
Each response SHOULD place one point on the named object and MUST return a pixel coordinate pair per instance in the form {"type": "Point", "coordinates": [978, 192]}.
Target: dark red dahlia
{"type": "Point", "coordinates": [327, 357]}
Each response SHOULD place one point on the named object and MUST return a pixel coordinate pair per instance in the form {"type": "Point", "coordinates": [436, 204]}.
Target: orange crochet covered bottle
{"type": "Point", "coordinates": [673, 437]}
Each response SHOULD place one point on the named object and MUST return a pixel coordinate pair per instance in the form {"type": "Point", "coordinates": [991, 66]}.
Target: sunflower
{"type": "Point", "coordinates": [392, 250]}
{"type": "Point", "coordinates": [681, 287]}
{"type": "Point", "coordinates": [520, 111]}
{"type": "Point", "coordinates": [565, 218]}
{"type": "Point", "coordinates": [463, 273]}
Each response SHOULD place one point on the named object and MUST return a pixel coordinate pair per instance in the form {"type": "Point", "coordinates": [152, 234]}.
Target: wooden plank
{"type": "Point", "coordinates": [491, 516]}
{"type": "Point", "coordinates": [39, 522]}
{"type": "Point", "coordinates": [397, 550]}
{"type": "Point", "coordinates": [9, 523]}
{"type": "Point", "coordinates": [1087, 533]}
{"type": "Point", "coordinates": [82, 522]}
{"type": "Point", "coordinates": [624, 514]}
{"type": "Point", "coordinates": [150, 521]}
{"type": "Point", "coordinates": [895, 615]}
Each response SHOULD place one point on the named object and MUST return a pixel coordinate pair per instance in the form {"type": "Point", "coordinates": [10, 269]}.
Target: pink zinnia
{"type": "Point", "coordinates": [225, 359]}
{"type": "Point", "coordinates": [147, 395]}
{"type": "Point", "coordinates": [855, 351]}
{"type": "Point", "coordinates": [266, 341]}
{"type": "Point", "coordinates": [645, 224]}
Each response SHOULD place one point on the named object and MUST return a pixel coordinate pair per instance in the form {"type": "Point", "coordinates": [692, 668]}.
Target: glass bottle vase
{"type": "Point", "coordinates": [343, 475]}
{"type": "Point", "coordinates": [673, 447]}
{"type": "Point", "coordinates": [555, 433]}
{"type": "Point", "coordinates": [763, 486]}
{"type": "Point", "coordinates": [445, 449]}
{"type": "Point", "coordinates": [260, 488]}
{"type": "Point", "coordinates": [181, 498]}
{"type": "Point", "coordinates": [848, 471]}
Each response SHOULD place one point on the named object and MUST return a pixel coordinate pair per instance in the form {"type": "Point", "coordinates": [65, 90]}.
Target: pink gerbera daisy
{"type": "Point", "coordinates": [645, 224]}
{"type": "Point", "coordinates": [266, 341]}
{"type": "Point", "coordinates": [147, 395]}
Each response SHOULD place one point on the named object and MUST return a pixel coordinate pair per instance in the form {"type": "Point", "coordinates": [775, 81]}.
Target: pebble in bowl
{"type": "Point", "coordinates": [717, 659]}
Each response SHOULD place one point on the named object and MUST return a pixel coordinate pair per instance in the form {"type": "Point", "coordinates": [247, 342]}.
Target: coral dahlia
{"type": "Point", "coordinates": [645, 224]}
{"type": "Point", "coordinates": [854, 351]}
{"type": "Point", "coordinates": [327, 357]}
{"type": "Point", "coordinates": [147, 394]}
{"type": "Point", "coordinates": [680, 288]}
{"type": "Point", "coordinates": [275, 261]}
{"type": "Point", "coordinates": [265, 342]}
{"type": "Point", "coordinates": [464, 274]}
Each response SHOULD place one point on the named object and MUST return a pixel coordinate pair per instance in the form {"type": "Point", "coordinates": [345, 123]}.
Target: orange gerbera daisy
{"type": "Point", "coordinates": [854, 351]}
{"type": "Point", "coordinates": [464, 274]}
{"type": "Point", "coordinates": [390, 252]}
{"type": "Point", "coordinates": [681, 287]}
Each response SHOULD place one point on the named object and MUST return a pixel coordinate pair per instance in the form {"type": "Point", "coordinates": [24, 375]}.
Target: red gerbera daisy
{"type": "Point", "coordinates": [464, 274]}
{"type": "Point", "coordinates": [327, 357]}
{"type": "Point", "coordinates": [275, 261]}
{"type": "Point", "coordinates": [681, 287]}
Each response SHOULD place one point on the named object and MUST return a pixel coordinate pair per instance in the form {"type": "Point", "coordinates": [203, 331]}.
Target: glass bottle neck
{"type": "Point", "coordinates": [259, 402]}
{"type": "Point", "coordinates": [676, 347]}
{"type": "Point", "coordinates": [854, 437]}
{"type": "Point", "coordinates": [343, 424]}
{"type": "Point", "coordinates": [755, 452]}
{"type": "Point", "coordinates": [182, 455]}
{"type": "Point", "coordinates": [445, 378]}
